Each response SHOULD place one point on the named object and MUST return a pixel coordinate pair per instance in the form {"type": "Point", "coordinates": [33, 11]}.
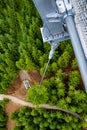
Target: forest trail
{"type": "Point", "coordinates": [16, 100]}
{"type": "Point", "coordinates": [18, 90]}
{"type": "Point", "coordinates": [30, 105]}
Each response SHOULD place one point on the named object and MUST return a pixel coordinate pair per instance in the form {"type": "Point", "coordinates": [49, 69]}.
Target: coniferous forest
{"type": "Point", "coordinates": [22, 48]}
{"type": "Point", "coordinates": [3, 117]}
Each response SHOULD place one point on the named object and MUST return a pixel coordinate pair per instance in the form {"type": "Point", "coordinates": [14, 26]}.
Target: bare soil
{"type": "Point", "coordinates": [11, 107]}
{"type": "Point", "coordinates": [18, 90]}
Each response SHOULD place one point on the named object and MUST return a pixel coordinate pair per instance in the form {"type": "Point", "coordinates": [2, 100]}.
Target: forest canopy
{"type": "Point", "coordinates": [22, 48]}
{"type": "Point", "coordinates": [3, 116]}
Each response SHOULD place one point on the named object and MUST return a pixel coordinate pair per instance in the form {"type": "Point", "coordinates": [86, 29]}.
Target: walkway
{"type": "Point", "coordinates": [29, 104]}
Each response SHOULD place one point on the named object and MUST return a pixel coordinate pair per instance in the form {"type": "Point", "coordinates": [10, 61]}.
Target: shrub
{"type": "Point", "coordinates": [74, 78]}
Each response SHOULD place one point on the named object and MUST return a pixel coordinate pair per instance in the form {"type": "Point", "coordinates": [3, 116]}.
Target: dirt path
{"type": "Point", "coordinates": [18, 90]}
{"type": "Point", "coordinates": [29, 104]}
{"type": "Point", "coordinates": [10, 108]}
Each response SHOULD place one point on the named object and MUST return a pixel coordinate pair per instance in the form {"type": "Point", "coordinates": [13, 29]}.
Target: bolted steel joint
{"type": "Point", "coordinates": [65, 8]}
